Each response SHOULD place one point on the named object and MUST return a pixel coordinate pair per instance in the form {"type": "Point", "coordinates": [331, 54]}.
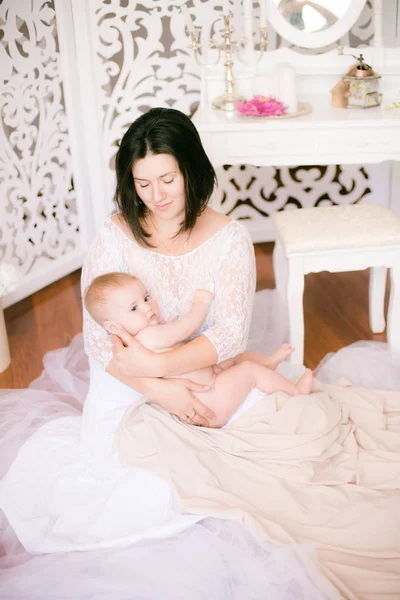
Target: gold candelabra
{"type": "Point", "coordinates": [227, 101]}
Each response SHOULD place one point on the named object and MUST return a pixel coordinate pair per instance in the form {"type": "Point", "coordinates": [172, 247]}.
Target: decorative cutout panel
{"type": "Point", "coordinates": [38, 217]}
{"type": "Point", "coordinates": [249, 192]}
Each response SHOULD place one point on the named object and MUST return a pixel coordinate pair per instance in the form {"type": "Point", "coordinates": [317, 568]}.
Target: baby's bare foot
{"type": "Point", "coordinates": [304, 384]}
{"type": "Point", "coordinates": [279, 355]}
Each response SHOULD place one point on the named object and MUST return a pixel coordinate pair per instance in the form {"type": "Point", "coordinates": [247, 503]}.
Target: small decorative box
{"type": "Point", "coordinates": [363, 85]}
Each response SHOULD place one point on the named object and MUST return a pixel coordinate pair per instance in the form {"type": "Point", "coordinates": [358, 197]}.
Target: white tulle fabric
{"type": "Point", "coordinates": [224, 265]}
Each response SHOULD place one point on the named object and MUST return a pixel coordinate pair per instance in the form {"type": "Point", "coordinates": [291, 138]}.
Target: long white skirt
{"type": "Point", "coordinates": [63, 491]}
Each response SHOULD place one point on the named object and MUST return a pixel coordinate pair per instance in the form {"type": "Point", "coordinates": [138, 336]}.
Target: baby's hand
{"type": "Point", "coordinates": [203, 296]}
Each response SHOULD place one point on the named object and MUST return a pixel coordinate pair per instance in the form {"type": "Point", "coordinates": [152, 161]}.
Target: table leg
{"type": "Point", "coordinates": [377, 287]}
{"type": "Point", "coordinates": [294, 297]}
{"type": "Point", "coordinates": [393, 319]}
{"type": "Point", "coordinates": [280, 270]}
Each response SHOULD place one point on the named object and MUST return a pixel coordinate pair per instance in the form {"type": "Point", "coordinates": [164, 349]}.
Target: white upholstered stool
{"type": "Point", "coordinates": [337, 239]}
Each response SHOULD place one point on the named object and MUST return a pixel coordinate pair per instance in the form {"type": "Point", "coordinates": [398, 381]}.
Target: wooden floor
{"type": "Point", "coordinates": [335, 306]}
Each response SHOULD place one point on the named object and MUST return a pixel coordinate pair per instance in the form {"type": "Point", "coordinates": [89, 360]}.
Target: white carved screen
{"type": "Point", "coordinates": [39, 224]}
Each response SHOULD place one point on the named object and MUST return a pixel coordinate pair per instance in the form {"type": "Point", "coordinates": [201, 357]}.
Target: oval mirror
{"type": "Point", "coordinates": [313, 24]}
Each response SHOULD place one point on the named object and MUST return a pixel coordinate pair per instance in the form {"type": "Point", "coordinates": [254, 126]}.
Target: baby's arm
{"type": "Point", "coordinates": [165, 335]}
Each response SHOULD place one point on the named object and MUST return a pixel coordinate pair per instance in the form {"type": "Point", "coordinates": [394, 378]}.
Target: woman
{"type": "Point", "coordinates": [167, 236]}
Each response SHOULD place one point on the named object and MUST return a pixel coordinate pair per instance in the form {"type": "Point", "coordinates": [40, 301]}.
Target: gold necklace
{"type": "Point", "coordinates": [169, 253]}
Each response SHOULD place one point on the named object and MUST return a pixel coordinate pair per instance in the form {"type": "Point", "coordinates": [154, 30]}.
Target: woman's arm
{"type": "Point", "coordinates": [130, 357]}
{"type": "Point", "coordinates": [174, 395]}
{"type": "Point", "coordinates": [234, 296]}
{"type": "Point", "coordinates": [103, 256]}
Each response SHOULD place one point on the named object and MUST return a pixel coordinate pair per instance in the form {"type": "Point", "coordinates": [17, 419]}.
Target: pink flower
{"type": "Point", "coordinates": [262, 106]}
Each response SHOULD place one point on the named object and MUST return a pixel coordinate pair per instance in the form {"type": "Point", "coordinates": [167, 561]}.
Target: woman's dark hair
{"type": "Point", "coordinates": [163, 131]}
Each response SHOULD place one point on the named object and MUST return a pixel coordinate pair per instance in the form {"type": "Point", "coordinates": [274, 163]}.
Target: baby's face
{"type": "Point", "coordinates": [132, 307]}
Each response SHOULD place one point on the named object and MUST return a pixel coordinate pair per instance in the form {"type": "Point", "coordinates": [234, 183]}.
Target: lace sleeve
{"type": "Point", "coordinates": [102, 257]}
{"type": "Point", "coordinates": [234, 296]}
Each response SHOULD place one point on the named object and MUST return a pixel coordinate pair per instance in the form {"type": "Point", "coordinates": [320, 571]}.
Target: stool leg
{"type": "Point", "coordinates": [280, 270]}
{"type": "Point", "coordinates": [393, 320]}
{"type": "Point", "coordinates": [377, 285]}
{"type": "Point", "coordinates": [295, 289]}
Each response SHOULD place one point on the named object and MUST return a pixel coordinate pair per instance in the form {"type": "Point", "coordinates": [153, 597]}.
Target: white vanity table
{"type": "Point", "coordinates": [325, 136]}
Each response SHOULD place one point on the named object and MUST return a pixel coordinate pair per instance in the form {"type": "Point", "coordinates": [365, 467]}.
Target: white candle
{"type": "Point", "coordinates": [263, 13]}
{"type": "Point", "coordinates": [287, 86]}
{"type": "Point", "coordinates": [248, 20]}
{"type": "Point", "coordinates": [275, 82]}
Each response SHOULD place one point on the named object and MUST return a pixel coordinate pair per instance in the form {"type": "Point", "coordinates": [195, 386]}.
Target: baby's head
{"type": "Point", "coordinates": [117, 299]}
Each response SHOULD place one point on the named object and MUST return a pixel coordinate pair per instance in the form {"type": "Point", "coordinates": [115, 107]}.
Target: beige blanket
{"type": "Point", "coordinates": [322, 468]}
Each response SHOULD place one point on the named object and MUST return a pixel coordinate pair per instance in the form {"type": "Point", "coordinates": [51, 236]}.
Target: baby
{"type": "Point", "coordinates": [120, 299]}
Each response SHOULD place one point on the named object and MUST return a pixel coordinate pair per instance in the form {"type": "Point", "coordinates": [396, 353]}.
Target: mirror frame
{"type": "Point", "coordinates": [317, 39]}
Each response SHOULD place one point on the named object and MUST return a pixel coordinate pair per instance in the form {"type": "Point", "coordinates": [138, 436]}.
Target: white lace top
{"type": "Point", "coordinates": [223, 264]}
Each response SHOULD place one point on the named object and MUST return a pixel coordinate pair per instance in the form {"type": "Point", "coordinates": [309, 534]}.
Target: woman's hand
{"type": "Point", "coordinates": [177, 398]}
{"type": "Point", "coordinates": [174, 395]}
{"type": "Point", "coordinates": [133, 359]}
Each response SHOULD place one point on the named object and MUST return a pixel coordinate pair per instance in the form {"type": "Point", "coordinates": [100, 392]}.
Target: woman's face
{"type": "Point", "coordinates": [160, 185]}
